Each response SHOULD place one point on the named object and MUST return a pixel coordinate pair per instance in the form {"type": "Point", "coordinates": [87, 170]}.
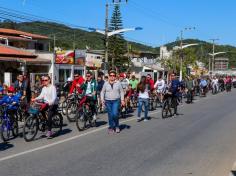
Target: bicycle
{"type": "Point", "coordinates": [84, 117]}
{"type": "Point", "coordinates": [37, 122]}
{"type": "Point", "coordinates": [72, 107]}
{"type": "Point", "coordinates": [8, 124]}
{"type": "Point", "coordinates": [170, 104]}
{"type": "Point", "coordinates": [214, 89]}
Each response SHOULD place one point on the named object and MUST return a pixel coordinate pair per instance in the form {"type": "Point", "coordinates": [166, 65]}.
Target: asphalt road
{"type": "Point", "coordinates": [200, 142]}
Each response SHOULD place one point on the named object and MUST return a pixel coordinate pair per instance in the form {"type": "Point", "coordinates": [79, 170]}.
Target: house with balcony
{"type": "Point", "coordinates": [20, 52]}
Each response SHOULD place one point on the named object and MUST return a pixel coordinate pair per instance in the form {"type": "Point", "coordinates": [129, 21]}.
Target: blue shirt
{"type": "Point", "coordinates": [175, 84]}
{"type": "Point", "coordinates": [10, 99]}
{"type": "Point", "coordinates": [203, 83]}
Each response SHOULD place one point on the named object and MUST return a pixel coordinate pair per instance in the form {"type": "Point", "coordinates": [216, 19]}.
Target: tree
{"type": "Point", "coordinates": [117, 44]}
{"type": "Point", "coordinates": [8, 24]}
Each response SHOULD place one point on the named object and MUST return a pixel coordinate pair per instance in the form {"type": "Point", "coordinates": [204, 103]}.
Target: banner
{"type": "Point", "coordinates": [80, 56]}
{"type": "Point", "coordinates": [65, 57]}
{"type": "Point", "coordinates": [93, 60]}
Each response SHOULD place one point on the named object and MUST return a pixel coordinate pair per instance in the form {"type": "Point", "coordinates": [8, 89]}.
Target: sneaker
{"type": "Point", "coordinates": [117, 130]}
{"type": "Point", "coordinates": [145, 120]}
{"type": "Point", "coordinates": [49, 134]}
{"type": "Point", "coordinates": [110, 131]}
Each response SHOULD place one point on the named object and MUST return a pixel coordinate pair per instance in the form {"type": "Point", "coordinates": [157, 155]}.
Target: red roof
{"type": "Point", "coordinates": [28, 60]}
{"type": "Point", "coordinates": [16, 32]}
{"type": "Point", "coordinates": [15, 38]}
{"type": "Point", "coordinates": [9, 51]}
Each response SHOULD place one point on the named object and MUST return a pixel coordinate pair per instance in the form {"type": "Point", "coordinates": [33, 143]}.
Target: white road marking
{"type": "Point", "coordinates": [66, 140]}
{"type": "Point", "coordinates": [71, 138]}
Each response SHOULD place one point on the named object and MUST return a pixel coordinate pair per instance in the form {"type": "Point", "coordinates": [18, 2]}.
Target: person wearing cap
{"type": "Point", "coordinates": [124, 82]}
{"type": "Point", "coordinates": [67, 85]}
{"type": "Point", "coordinates": [150, 82]}
{"type": "Point", "coordinates": [76, 84]}
{"type": "Point", "coordinates": [112, 95]}
{"type": "Point", "coordinates": [11, 99]}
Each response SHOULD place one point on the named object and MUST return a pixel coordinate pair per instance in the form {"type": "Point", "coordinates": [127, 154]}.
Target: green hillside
{"type": "Point", "coordinates": [67, 38]}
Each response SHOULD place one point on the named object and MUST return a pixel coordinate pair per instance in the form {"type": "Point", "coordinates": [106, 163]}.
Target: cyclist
{"type": "Point", "coordinates": [89, 88]}
{"type": "Point", "coordinates": [150, 82]}
{"type": "Point", "coordinates": [160, 87]}
{"type": "Point", "coordinates": [215, 84]}
{"type": "Point", "coordinates": [12, 100]}
{"type": "Point", "coordinates": [67, 85]}
{"type": "Point", "coordinates": [134, 82]}
{"type": "Point", "coordinates": [49, 97]}
{"type": "Point", "coordinates": [78, 81]}
{"type": "Point", "coordinates": [20, 86]}
{"type": "Point", "coordinates": [100, 83]}
{"type": "Point", "coordinates": [203, 86]}
{"type": "Point", "coordinates": [174, 88]}
{"type": "Point", "coordinates": [125, 85]}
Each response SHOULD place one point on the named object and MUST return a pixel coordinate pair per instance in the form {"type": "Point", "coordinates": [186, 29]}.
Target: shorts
{"type": "Point", "coordinates": [160, 90]}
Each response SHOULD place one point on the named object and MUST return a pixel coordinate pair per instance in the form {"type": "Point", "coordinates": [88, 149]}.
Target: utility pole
{"type": "Point", "coordinates": [106, 39]}
{"type": "Point", "coordinates": [74, 40]}
{"type": "Point", "coordinates": [54, 42]}
{"type": "Point", "coordinates": [213, 54]}
{"type": "Point", "coordinates": [181, 56]}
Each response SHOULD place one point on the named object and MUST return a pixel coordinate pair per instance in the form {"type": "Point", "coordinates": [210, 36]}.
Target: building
{"type": "Point", "coordinates": [164, 53]}
{"type": "Point", "coordinates": [221, 64]}
{"type": "Point", "coordinates": [18, 53]}
{"type": "Point", "coordinates": [147, 63]}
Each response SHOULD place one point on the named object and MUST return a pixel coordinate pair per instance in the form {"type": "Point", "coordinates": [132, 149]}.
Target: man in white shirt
{"type": "Point", "coordinates": [215, 83]}
{"type": "Point", "coordinates": [160, 87]}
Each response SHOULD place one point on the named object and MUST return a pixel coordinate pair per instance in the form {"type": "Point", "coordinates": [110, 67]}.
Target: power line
{"type": "Point", "coordinates": [31, 17]}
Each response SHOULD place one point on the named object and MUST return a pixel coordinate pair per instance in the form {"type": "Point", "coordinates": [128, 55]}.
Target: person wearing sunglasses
{"type": "Point", "coordinates": [76, 84]}
{"type": "Point", "coordinates": [49, 96]}
{"type": "Point", "coordinates": [112, 95]}
{"type": "Point", "coordinates": [89, 93]}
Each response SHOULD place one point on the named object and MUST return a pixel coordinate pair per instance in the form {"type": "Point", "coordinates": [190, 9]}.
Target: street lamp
{"type": "Point", "coordinates": [182, 47]}
{"type": "Point", "coordinates": [181, 61]}
{"type": "Point", "coordinates": [213, 59]}
{"type": "Point", "coordinates": [109, 34]}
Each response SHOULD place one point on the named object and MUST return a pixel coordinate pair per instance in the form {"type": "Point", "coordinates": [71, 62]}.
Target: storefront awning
{"type": "Point", "coordinates": [28, 61]}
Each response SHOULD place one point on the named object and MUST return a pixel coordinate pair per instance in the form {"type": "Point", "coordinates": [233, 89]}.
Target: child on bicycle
{"type": "Point", "coordinates": [11, 100]}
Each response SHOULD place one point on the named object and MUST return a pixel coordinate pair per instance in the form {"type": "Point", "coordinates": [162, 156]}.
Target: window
{"type": "Point", "coordinates": [64, 74]}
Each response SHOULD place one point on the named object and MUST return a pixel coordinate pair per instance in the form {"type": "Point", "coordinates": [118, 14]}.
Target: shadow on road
{"type": "Point", "coordinates": [63, 132]}
{"type": "Point", "coordinates": [233, 173]}
{"type": "Point", "coordinates": [100, 123]}
{"type": "Point", "coordinates": [124, 126]}
{"type": "Point", "coordinates": [5, 146]}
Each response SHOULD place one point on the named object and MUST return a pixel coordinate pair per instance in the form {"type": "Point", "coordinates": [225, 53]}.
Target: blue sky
{"type": "Point", "coordinates": [162, 20]}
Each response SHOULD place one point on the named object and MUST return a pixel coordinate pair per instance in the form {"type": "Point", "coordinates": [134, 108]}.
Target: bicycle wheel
{"type": "Point", "coordinates": [15, 129]}
{"type": "Point", "coordinates": [174, 105]}
{"type": "Point", "coordinates": [80, 120]}
{"type": "Point", "coordinates": [5, 131]}
{"type": "Point", "coordinates": [30, 128]}
{"type": "Point", "coordinates": [166, 111]}
{"type": "Point", "coordinates": [57, 121]}
{"type": "Point", "coordinates": [63, 107]}
{"type": "Point", "coordinates": [71, 111]}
